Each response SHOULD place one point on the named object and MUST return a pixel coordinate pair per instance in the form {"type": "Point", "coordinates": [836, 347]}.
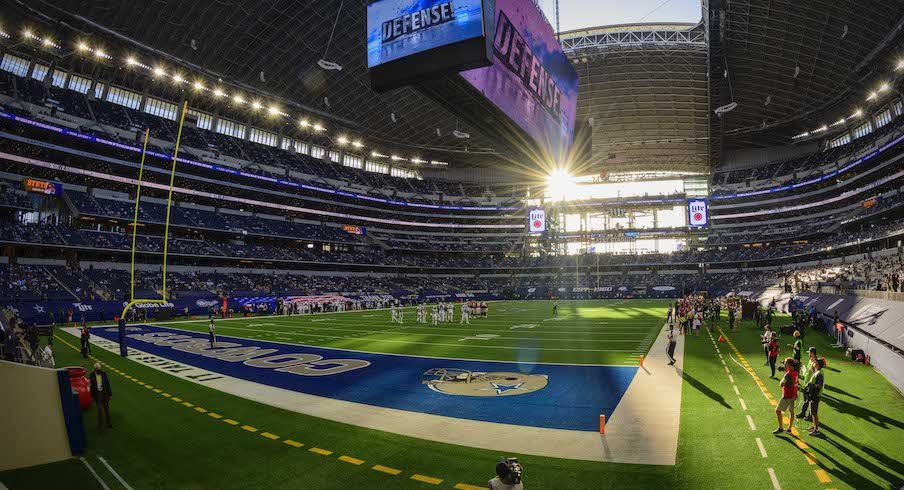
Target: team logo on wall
{"type": "Point", "coordinates": [451, 381]}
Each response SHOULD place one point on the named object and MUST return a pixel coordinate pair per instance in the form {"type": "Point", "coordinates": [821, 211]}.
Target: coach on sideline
{"type": "Point", "coordinates": [101, 392]}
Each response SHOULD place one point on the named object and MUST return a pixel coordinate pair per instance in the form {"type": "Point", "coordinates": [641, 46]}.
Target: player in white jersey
{"type": "Point", "coordinates": [435, 313]}
{"type": "Point", "coordinates": [465, 314]}
{"type": "Point", "coordinates": [392, 313]}
{"type": "Point", "coordinates": [450, 312]}
{"type": "Point", "coordinates": [420, 313]}
{"type": "Point", "coordinates": [400, 312]}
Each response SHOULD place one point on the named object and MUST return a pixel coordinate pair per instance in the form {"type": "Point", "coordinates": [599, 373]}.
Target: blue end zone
{"type": "Point", "coordinates": [574, 397]}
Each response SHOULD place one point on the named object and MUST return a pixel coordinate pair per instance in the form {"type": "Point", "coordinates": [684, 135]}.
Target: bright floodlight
{"type": "Point", "coordinates": [357, 144]}
{"type": "Point", "coordinates": [218, 93]}
{"type": "Point", "coordinates": [100, 54]}
{"type": "Point", "coordinates": [178, 78]}
{"type": "Point", "coordinates": [82, 47]}
{"type": "Point", "coordinates": [273, 110]}
{"type": "Point", "coordinates": [159, 71]}
{"type": "Point", "coordinates": [342, 140]}
{"type": "Point", "coordinates": [256, 105]}
{"type": "Point", "coordinates": [48, 42]}
{"type": "Point", "coordinates": [559, 184]}
{"type": "Point", "coordinates": [131, 61]}
{"type": "Point", "coordinates": [304, 123]}
{"type": "Point", "coordinates": [199, 86]}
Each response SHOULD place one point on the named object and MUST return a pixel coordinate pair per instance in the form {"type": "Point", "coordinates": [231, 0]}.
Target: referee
{"type": "Point", "coordinates": [212, 330]}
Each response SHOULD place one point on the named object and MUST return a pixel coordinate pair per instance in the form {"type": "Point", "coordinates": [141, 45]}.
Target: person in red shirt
{"type": "Point", "coordinates": [773, 355]}
{"type": "Point", "coordinates": [789, 394]}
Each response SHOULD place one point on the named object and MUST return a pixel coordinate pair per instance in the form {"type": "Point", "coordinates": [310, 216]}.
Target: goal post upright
{"type": "Point", "coordinates": [169, 203]}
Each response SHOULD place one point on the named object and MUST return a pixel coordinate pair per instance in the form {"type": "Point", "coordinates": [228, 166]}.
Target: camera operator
{"type": "Point", "coordinates": [508, 476]}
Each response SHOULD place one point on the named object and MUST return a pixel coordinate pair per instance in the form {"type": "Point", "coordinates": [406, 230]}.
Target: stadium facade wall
{"type": "Point", "coordinates": [34, 425]}
{"type": "Point", "coordinates": [874, 325]}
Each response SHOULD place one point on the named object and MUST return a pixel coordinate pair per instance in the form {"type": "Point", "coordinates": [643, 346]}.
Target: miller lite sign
{"type": "Point", "coordinates": [536, 221]}
{"type": "Point", "coordinates": [697, 213]}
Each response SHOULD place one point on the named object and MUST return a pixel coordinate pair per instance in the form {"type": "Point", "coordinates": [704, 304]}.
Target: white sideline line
{"type": "Point", "coordinates": [731, 378]}
{"type": "Point", "coordinates": [115, 474]}
{"type": "Point", "coordinates": [759, 444]}
{"type": "Point", "coordinates": [743, 405]}
{"type": "Point", "coordinates": [750, 421]}
{"type": "Point", "coordinates": [96, 476]}
{"type": "Point", "coordinates": [736, 392]}
{"type": "Point", "coordinates": [775, 484]}
{"type": "Point", "coordinates": [726, 368]}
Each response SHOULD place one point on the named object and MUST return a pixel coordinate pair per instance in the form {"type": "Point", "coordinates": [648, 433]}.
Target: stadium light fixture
{"type": "Point", "coordinates": [131, 61]}
{"type": "Point", "coordinates": [82, 47]}
{"type": "Point", "coordinates": [218, 93]}
{"type": "Point", "coordinates": [318, 128]}
{"type": "Point", "coordinates": [48, 42]}
{"type": "Point", "coordinates": [273, 110]}
{"type": "Point", "coordinates": [883, 87]}
{"type": "Point", "coordinates": [238, 99]}
{"type": "Point", "coordinates": [357, 144]}
{"type": "Point", "coordinates": [27, 34]}
{"type": "Point", "coordinates": [256, 105]}
{"type": "Point", "coordinates": [199, 85]}
{"type": "Point", "coordinates": [304, 123]}
{"type": "Point", "coordinates": [99, 53]}
{"type": "Point", "coordinates": [872, 96]}
{"type": "Point", "coordinates": [900, 65]}
{"type": "Point", "coordinates": [342, 141]}
{"type": "Point", "coordinates": [159, 72]}
{"type": "Point", "coordinates": [177, 78]}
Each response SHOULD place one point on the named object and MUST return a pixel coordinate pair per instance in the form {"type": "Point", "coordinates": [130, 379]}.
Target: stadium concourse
{"type": "Point", "coordinates": [465, 250]}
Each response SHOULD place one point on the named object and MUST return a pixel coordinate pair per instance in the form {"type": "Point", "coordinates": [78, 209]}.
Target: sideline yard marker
{"type": "Point", "coordinates": [602, 424]}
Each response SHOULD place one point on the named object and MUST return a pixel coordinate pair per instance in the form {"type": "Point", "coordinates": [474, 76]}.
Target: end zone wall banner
{"type": "Point", "coordinates": [536, 221]}
{"type": "Point", "coordinates": [697, 212]}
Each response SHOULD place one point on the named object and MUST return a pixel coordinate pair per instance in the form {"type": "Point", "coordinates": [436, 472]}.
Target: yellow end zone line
{"type": "Point", "coordinates": [273, 437]}
{"type": "Point", "coordinates": [811, 459]}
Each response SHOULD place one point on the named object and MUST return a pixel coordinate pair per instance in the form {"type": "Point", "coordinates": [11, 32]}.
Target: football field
{"type": "Point", "coordinates": [613, 332]}
{"type": "Point", "coordinates": [176, 429]}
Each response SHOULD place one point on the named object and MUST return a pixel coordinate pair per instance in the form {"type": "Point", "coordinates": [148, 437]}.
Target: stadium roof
{"type": "Point", "coordinates": [789, 63]}
{"type": "Point", "coordinates": [274, 47]}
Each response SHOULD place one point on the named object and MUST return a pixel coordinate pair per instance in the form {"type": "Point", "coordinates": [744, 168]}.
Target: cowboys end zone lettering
{"type": "Point", "coordinates": [296, 363]}
{"type": "Point", "coordinates": [418, 21]}
{"type": "Point", "coordinates": [515, 393]}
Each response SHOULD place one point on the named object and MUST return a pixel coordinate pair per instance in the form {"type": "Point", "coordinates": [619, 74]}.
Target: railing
{"type": "Point", "coordinates": [867, 293]}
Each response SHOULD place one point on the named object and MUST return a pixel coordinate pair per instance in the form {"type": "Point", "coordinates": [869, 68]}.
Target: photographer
{"type": "Point", "coordinates": [508, 476]}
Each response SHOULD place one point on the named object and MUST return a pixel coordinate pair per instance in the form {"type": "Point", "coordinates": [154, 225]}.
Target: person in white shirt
{"type": "Point", "coordinates": [421, 317]}
{"type": "Point", "coordinates": [392, 313]}
{"type": "Point", "coordinates": [450, 312]}
{"type": "Point", "coordinates": [434, 313]}
{"type": "Point", "coordinates": [212, 331]}
{"type": "Point", "coordinates": [465, 314]}
{"type": "Point", "coordinates": [400, 314]}
{"type": "Point", "coordinates": [48, 356]}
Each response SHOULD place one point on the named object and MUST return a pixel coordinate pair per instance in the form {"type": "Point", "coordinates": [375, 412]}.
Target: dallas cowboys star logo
{"type": "Point", "coordinates": [502, 388]}
{"type": "Point", "coordinates": [39, 308]}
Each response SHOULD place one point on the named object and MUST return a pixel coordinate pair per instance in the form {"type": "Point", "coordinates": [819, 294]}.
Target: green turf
{"type": "Point", "coordinates": [617, 334]}
{"type": "Point", "coordinates": [159, 443]}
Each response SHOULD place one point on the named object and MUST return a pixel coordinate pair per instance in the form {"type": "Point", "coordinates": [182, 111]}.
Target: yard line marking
{"type": "Point", "coordinates": [231, 422]}
{"type": "Point", "coordinates": [290, 442]}
{"type": "Point", "coordinates": [270, 436]}
{"type": "Point", "coordinates": [823, 476]}
{"type": "Point", "coordinates": [743, 405]}
{"type": "Point", "coordinates": [759, 444]}
{"type": "Point", "coordinates": [96, 476]}
{"type": "Point", "coordinates": [750, 422]}
{"type": "Point", "coordinates": [115, 474]}
{"type": "Point", "coordinates": [188, 404]}
{"type": "Point", "coordinates": [801, 444]}
{"type": "Point", "coordinates": [176, 399]}
{"type": "Point", "coordinates": [322, 452]}
{"type": "Point", "coordinates": [200, 410]}
{"type": "Point", "coordinates": [726, 369]}
{"type": "Point", "coordinates": [736, 389]}
{"type": "Point", "coordinates": [774, 479]}
{"type": "Point", "coordinates": [349, 459]}
{"type": "Point", "coordinates": [465, 486]}
{"type": "Point", "coordinates": [214, 415]}
{"type": "Point", "coordinates": [810, 458]}
{"type": "Point", "coordinates": [249, 428]}
{"type": "Point", "coordinates": [731, 378]}
{"type": "Point", "coordinates": [386, 469]}
{"type": "Point", "coordinates": [427, 479]}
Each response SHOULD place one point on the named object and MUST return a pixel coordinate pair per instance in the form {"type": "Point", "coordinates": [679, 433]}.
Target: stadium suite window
{"type": "Point", "coordinates": [862, 130]}
{"type": "Point", "coordinates": [15, 65]}
{"type": "Point", "coordinates": [156, 107]}
{"type": "Point", "coordinates": [353, 161]}
{"type": "Point", "coordinates": [231, 128]}
{"type": "Point", "coordinates": [205, 121]}
{"type": "Point", "coordinates": [334, 156]}
{"type": "Point", "coordinates": [39, 72]}
{"type": "Point", "coordinates": [317, 152]}
{"type": "Point", "coordinates": [123, 97]}
{"type": "Point", "coordinates": [79, 84]}
{"type": "Point", "coordinates": [841, 140]}
{"type": "Point", "coordinates": [883, 118]}
{"type": "Point", "coordinates": [263, 137]}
